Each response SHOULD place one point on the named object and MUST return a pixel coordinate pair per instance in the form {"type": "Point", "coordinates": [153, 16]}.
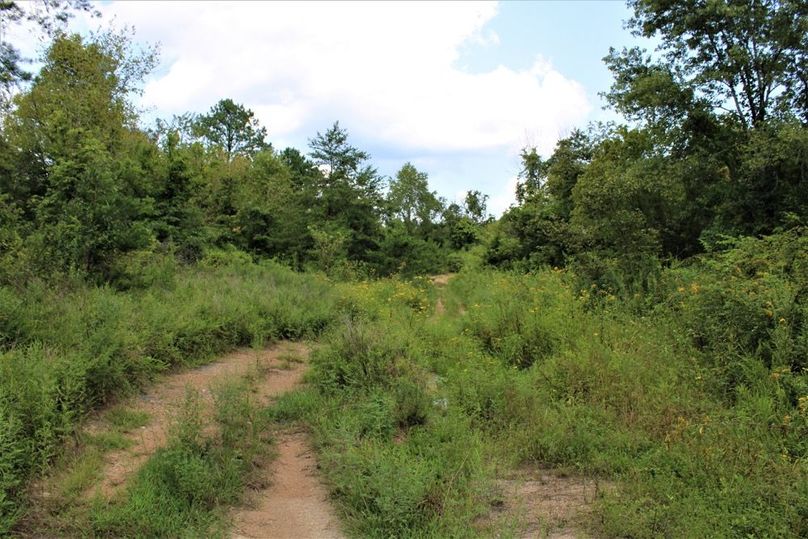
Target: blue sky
{"type": "Point", "coordinates": [456, 88]}
{"type": "Point", "coordinates": [573, 35]}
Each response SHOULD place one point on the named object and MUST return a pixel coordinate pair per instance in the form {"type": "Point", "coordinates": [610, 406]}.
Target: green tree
{"type": "Point", "coordinates": [233, 128]}
{"type": "Point", "coordinates": [49, 16]}
{"type": "Point", "coordinates": [348, 194]}
{"type": "Point", "coordinates": [82, 171]}
{"type": "Point", "coordinates": [744, 56]}
{"type": "Point", "coordinates": [178, 220]}
{"type": "Point", "coordinates": [532, 175]}
{"type": "Point", "coordinates": [536, 231]}
{"type": "Point", "coordinates": [461, 231]}
{"type": "Point", "coordinates": [410, 199]}
{"type": "Point", "coordinates": [475, 205]}
{"type": "Point", "coordinates": [271, 218]}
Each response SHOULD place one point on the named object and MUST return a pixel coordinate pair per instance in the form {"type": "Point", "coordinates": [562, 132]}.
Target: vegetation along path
{"type": "Point", "coordinates": [289, 500]}
{"type": "Point", "coordinates": [161, 405]}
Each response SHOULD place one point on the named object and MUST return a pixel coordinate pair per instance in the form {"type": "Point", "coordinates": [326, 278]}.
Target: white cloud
{"type": "Point", "coordinates": [501, 200]}
{"type": "Point", "coordinates": [388, 68]}
{"type": "Point", "coordinates": [389, 71]}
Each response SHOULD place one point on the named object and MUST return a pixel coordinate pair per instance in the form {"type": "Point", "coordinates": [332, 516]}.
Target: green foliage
{"type": "Point", "coordinates": [232, 128]}
{"type": "Point", "coordinates": [49, 20]}
{"type": "Point", "coordinates": [68, 137]}
{"type": "Point", "coordinates": [750, 54]}
{"type": "Point", "coordinates": [408, 254]}
{"type": "Point", "coordinates": [348, 195]}
{"type": "Point", "coordinates": [410, 199]}
{"type": "Point", "coordinates": [717, 147]}
{"type": "Point", "coordinates": [85, 192]}
{"type": "Point", "coordinates": [357, 358]}
{"type": "Point", "coordinates": [694, 431]}
{"type": "Point", "coordinates": [178, 490]}
{"type": "Point", "coordinates": [746, 306]}
{"type": "Point", "coordinates": [397, 463]}
{"type": "Point", "coordinates": [67, 352]}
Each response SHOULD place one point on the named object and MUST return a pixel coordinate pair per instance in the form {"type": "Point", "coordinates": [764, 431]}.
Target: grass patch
{"type": "Point", "coordinates": [185, 488]}
{"type": "Point", "coordinates": [67, 351]}
{"type": "Point", "coordinates": [123, 419]}
{"type": "Point", "coordinates": [412, 413]}
{"type": "Point", "coordinates": [107, 441]}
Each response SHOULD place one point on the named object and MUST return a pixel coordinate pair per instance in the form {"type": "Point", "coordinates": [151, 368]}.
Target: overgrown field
{"type": "Point", "coordinates": [692, 404]}
{"type": "Point", "coordinates": [67, 350]}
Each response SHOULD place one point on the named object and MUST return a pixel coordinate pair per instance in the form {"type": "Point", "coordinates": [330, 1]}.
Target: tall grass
{"type": "Point", "coordinates": [413, 412]}
{"type": "Point", "coordinates": [68, 350]}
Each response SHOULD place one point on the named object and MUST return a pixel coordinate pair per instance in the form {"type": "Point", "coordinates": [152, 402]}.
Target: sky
{"type": "Point", "coordinates": [455, 88]}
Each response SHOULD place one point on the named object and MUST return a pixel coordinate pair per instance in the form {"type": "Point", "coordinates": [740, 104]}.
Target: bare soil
{"type": "Point", "coordinates": [546, 503]}
{"type": "Point", "coordinates": [294, 505]}
{"type": "Point", "coordinates": [440, 308]}
{"type": "Point", "coordinates": [289, 501]}
{"type": "Point", "coordinates": [442, 280]}
{"type": "Point", "coordinates": [163, 401]}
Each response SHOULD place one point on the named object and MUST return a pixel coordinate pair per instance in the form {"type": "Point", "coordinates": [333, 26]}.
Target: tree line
{"type": "Point", "coordinates": [714, 148]}
{"type": "Point", "coordinates": [84, 189]}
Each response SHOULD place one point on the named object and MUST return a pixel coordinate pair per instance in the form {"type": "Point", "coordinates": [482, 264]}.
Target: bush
{"type": "Point", "coordinates": [747, 302]}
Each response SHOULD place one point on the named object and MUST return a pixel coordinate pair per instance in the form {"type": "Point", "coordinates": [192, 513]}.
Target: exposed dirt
{"type": "Point", "coordinates": [440, 308]}
{"type": "Point", "coordinates": [295, 505]}
{"type": "Point", "coordinates": [163, 400]}
{"type": "Point", "coordinates": [545, 503]}
{"type": "Point", "coordinates": [441, 280]}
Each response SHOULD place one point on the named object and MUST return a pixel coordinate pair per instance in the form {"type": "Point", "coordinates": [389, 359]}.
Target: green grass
{"type": "Point", "coordinates": [692, 402]}
{"type": "Point", "coordinates": [184, 489]}
{"type": "Point", "coordinates": [125, 420]}
{"type": "Point", "coordinates": [71, 349]}
{"type": "Point", "coordinates": [412, 413]}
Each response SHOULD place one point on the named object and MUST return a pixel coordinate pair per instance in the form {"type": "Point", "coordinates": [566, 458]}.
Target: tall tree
{"type": "Point", "coordinates": [349, 194]}
{"type": "Point", "coordinates": [475, 205]}
{"type": "Point", "coordinates": [747, 57]}
{"type": "Point", "coordinates": [81, 170]}
{"type": "Point", "coordinates": [47, 15]}
{"type": "Point", "coordinates": [532, 175]}
{"type": "Point", "coordinates": [233, 128]}
{"type": "Point", "coordinates": [410, 199]}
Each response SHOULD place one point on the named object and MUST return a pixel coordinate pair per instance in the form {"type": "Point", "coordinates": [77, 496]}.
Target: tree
{"type": "Point", "coordinates": [475, 206]}
{"type": "Point", "coordinates": [177, 219]}
{"type": "Point", "coordinates": [233, 128]}
{"type": "Point", "coordinates": [533, 175]}
{"type": "Point", "coordinates": [348, 195]}
{"type": "Point", "coordinates": [747, 57]}
{"type": "Point", "coordinates": [271, 218]}
{"type": "Point", "coordinates": [727, 96]}
{"type": "Point", "coordinates": [49, 16]}
{"type": "Point", "coordinates": [569, 160]}
{"type": "Point", "coordinates": [81, 171]}
{"type": "Point", "coordinates": [332, 151]}
{"type": "Point", "coordinates": [536, 231]}
{"type": "Point", "coordinates": [410, 199]}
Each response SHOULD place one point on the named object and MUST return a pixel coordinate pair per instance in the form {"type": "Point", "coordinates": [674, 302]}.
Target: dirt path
{"type": "Point", "coordinates": [295, 505]}
{"type": "Point", "coordinates": [441, 281]}
{"type": "Point", "coordinates": [164, 399]}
